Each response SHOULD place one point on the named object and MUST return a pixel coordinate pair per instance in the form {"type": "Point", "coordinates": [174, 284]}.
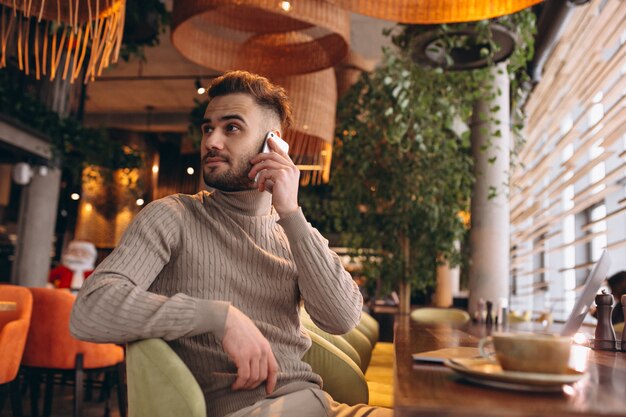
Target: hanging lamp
{"type": "Point", "coordinates": [260, 36]}
{"type": "Point", "coordinates": [435, 11]}
{"type": "Point", "coordinates": [58, 38]}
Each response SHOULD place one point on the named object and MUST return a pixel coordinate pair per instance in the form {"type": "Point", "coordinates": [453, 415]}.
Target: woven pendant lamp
{"type": "Point", "coordinates": [259, 36]}
{"type": "Point", "coordinates": [314, 102]}
{"type": "Point", "coordinates": [435, 11]}
{"type": "Point", "coordinates": [61, 37]}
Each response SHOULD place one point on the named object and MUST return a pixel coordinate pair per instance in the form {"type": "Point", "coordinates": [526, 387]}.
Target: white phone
{"type": "Point", "coordinates": [284, 146]}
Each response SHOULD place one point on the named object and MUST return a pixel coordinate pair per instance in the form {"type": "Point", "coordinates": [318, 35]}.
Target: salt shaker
{"type": "Point", "coordinates": [623, 299]}
{"type": "Point", "coordinates": [605, 334]}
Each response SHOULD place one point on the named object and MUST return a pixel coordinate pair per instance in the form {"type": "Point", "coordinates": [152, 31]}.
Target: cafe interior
{"type": "Point", "coordinates": [466, 161]}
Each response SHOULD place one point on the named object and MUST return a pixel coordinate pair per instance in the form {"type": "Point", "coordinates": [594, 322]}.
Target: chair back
{"type": "Point", "coordinates": [452, 316]}
{"type": "Point", "coordinates": [338, 341]}
{"type": "Point", "coordinates": [50, 344]}
{"type": "Point", "coordinates": [159, 382]}
{"type": "Point", "coordinates": [342, 378]}
{"type": "Point", "coordinates": [13, 330]}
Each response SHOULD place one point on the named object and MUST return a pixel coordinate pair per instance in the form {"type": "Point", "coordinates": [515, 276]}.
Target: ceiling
{"type": "Point", "coordinates": [158, 94]}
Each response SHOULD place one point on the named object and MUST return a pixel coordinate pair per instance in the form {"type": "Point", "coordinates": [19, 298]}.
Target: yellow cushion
{"type": "Point", "coordinates": [379, 375]}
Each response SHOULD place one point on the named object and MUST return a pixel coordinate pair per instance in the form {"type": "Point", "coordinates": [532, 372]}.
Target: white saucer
{"type": "Point", "coordinates": [483, 372]}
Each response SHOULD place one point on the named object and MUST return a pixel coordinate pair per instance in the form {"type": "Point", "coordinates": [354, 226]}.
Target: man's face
{"type": "Point", "coordinates": [232, 133]}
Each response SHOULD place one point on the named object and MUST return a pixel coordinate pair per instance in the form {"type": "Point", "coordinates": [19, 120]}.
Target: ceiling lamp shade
{"type": "Point", "coordinates": [435, 11]}
{"type": "Point", "coordinates": [61, 37]}
{"type": "Point", "coordinates": [314, 101]}
{"type": "Point", "coordinates": [261, 37]}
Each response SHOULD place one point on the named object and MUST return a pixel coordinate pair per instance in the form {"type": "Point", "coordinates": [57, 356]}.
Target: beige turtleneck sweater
{"type": "Point", "coordinates": [185, 259]}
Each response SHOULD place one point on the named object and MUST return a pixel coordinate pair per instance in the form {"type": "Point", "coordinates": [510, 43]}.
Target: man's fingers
{"type": "Point", "coordinates": [253, 380]}
{"type": "Point", "coordinates": [272, 372]}
{"type": "Point", "coordinates": [243, 374]}
{"type": "Point", "coordinates": [274, 147]}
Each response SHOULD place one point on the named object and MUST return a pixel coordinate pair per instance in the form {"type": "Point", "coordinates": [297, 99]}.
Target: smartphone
{"type": "Point", "coordinates": [284, 146]}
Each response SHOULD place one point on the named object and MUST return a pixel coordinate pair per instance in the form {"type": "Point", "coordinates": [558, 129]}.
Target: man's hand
{"type": "Point", "coordinates": [278, 175]}
{"type": "Point", "coordinates": [250, 351]}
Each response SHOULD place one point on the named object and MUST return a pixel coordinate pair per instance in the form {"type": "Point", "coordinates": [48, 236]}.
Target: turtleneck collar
{"type": "Point", "coordinates": [249, 202]}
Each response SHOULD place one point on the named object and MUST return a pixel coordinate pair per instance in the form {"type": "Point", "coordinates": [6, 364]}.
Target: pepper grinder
{"type": "Point", "coordinates": [489, 318]}
{"type": "Point", "coordinates": [605, 334]}
{"type": "Point", "coordinates": [623, 299]}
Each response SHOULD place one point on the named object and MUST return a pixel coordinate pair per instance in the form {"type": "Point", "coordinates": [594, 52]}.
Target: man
{"type": "Point", "coordinates": [77, 263]}
{"type": "Point", "coordinates": [220, 275]}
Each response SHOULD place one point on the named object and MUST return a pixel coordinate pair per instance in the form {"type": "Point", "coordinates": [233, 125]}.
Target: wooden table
{"type": "Point", "coordinates": [422, 389]}
{"type": "Point", "coordinates": [8, 306]}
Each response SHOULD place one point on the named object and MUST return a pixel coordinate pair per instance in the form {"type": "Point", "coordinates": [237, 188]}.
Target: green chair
{"type": "Point", "coordinates": [370, 327]}
{"type": "Point", "coordinates": [361, 344]}
{"type": "Point", "coordinates": [159, 382]}
{"type": "Point", "coordinates": [338, 341]}
{"type": "Point", "coordinates": [161, 385]}
{"type": "Point", "coordinates": [452, 316]}
{"type": "Point", "coordinates": [343, 379]}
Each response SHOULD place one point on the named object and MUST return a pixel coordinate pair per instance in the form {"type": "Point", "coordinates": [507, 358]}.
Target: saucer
{"type": "Point", "coordinates": [483, 372]}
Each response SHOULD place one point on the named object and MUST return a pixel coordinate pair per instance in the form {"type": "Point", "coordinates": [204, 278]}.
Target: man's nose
{"type": "Point", "coordinates": [213, 140]}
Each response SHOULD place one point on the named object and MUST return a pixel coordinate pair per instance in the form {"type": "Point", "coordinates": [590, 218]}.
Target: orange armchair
{"type": "Point", "coordinates": [51, 350]}
{"type": "Point", "coordinates": [13, 332]}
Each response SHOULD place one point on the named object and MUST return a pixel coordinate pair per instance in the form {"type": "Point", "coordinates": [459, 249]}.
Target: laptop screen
{"type": "Point", "coordinates": [594, 280]}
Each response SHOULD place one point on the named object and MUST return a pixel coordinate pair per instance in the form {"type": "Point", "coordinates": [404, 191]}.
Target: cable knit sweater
{"type": "Point", "coordinates": [185, 259]}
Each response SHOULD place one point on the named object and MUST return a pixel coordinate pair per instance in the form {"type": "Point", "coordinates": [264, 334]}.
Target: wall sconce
{"type": "Point", "coordinates": [22, 173]}
{"type": "Point", "coordinates": [199, 88]}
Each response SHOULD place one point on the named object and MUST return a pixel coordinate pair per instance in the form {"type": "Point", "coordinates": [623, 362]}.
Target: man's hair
{"type": "Point", "coordinates": [266, 94]}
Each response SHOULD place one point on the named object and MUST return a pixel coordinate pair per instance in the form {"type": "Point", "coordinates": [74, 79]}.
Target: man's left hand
{"type": "Point", "coordinates": [278, 175]}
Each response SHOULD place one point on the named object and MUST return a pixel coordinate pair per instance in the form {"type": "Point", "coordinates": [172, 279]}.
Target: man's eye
{"type": "Point", "coordinates": [232, 128]}
{"type": "Point", "coordinates": [206, 129]}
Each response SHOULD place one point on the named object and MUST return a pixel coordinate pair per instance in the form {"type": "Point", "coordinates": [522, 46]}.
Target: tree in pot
{"type": "Point", "coordinates": [402, 170]}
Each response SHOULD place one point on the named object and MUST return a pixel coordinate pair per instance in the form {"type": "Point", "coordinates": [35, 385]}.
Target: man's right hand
{"type": "Point", "coordinates": [250, 351]}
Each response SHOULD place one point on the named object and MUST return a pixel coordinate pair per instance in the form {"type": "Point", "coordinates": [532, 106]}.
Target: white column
{"type": "Point", "coordinates": [38, 213]}
{"type": "Point", "coordinates": [489, 234]}
{"type": "Point", "coordinates": [448, 283]}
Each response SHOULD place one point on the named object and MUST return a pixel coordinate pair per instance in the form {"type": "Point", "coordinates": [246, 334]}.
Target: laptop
{"type": "Point", "coordinates": [594, 280]}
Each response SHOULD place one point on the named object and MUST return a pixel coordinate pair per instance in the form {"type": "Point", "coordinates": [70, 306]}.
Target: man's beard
{"type": "Point", "coordinates": [234, 179]}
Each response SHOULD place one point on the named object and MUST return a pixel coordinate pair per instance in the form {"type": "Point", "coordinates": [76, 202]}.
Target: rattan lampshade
{"type": "Point", "coordinates": [435, 11]}
{"type": "Point", "coordinates": [60, 37]}
{"type": "Point", "coordinates": [259, 36]}
{"type": "Point", "coordinates": [314, 101]}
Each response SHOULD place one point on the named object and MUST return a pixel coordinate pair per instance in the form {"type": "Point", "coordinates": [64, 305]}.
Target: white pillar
{"type": "Point", "coordinates": [448, 283]}
{"type": "Point", "coordinates": [38, 213]}
{"type": "Point", "coordinates": [489, 234]}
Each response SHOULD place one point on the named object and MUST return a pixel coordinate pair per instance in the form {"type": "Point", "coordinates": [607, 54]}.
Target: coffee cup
{"type": "Point", "coordinates": [523, 352]}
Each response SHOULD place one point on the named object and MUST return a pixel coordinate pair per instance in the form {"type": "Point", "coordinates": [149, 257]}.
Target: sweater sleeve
{"type": "Point", "coordinates": [331, 296]}
{"type": "Point", "coordinates": [114, 304]}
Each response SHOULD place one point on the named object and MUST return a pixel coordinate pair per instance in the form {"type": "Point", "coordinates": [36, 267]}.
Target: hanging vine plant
{"type": "Point", "coordinates": [402, 169]}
